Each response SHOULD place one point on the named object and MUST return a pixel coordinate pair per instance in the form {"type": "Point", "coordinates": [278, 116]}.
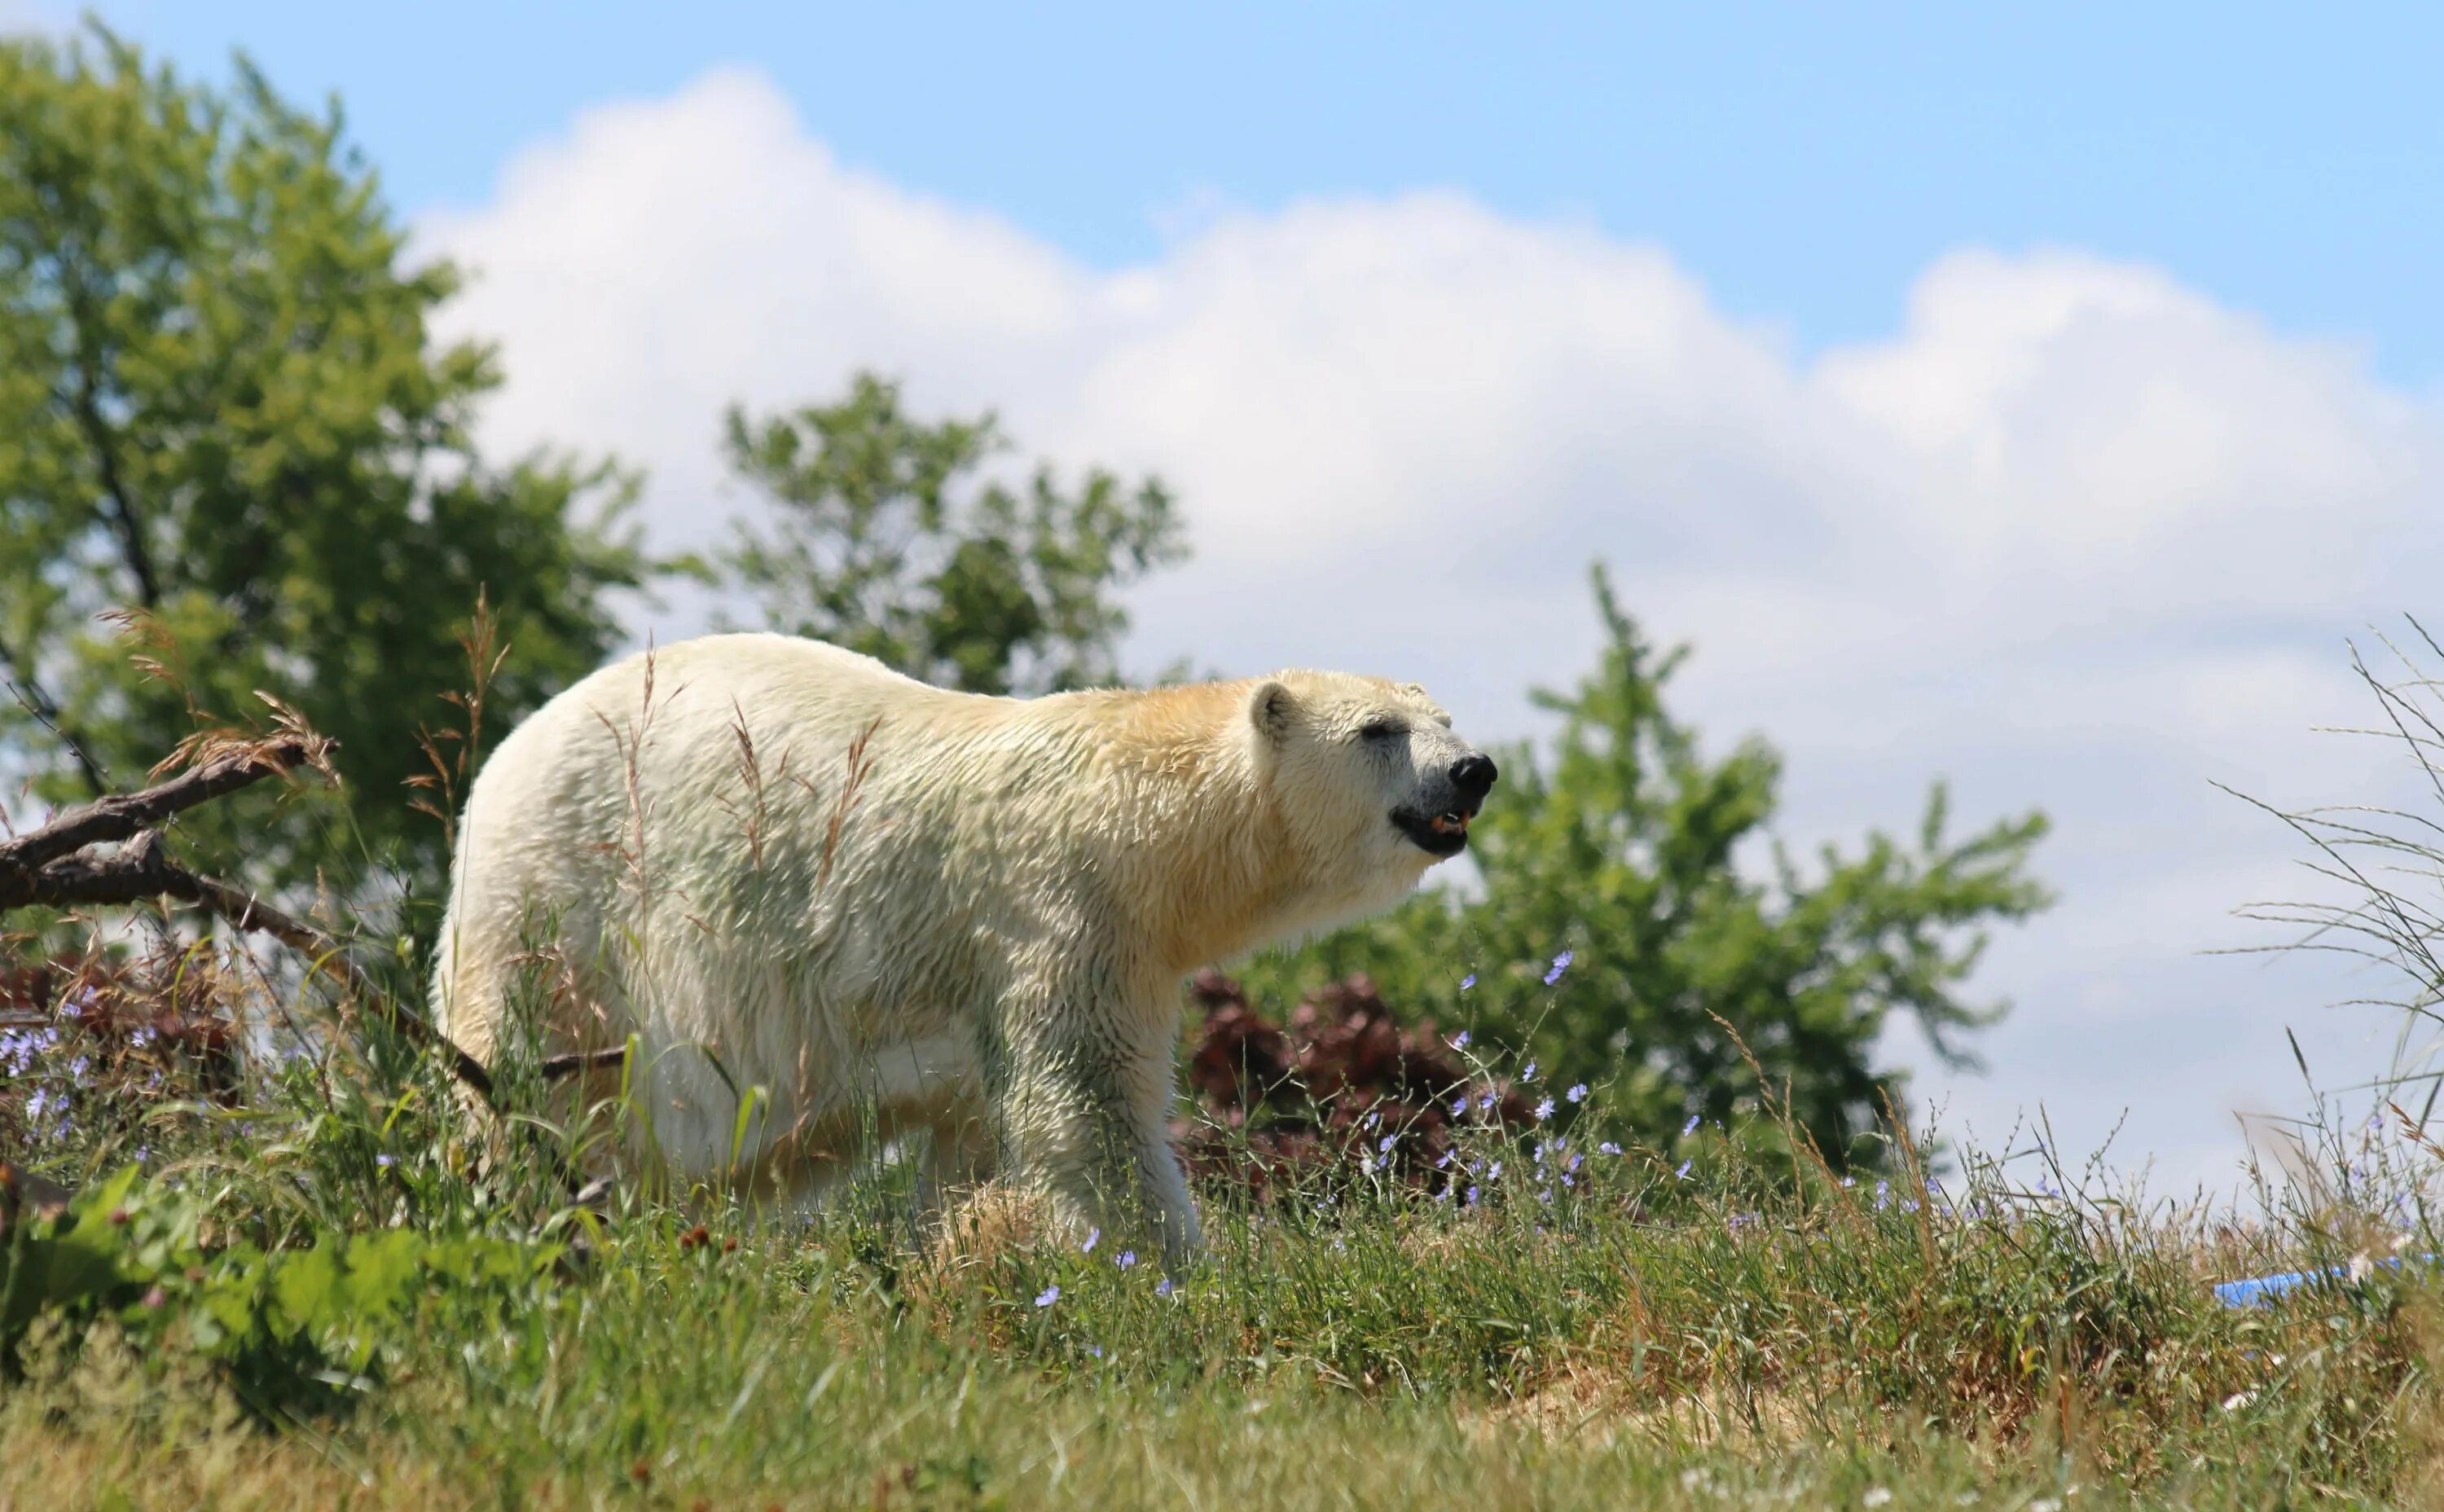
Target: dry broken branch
{"type": "Point", "coordinates": [554, 1067]}
{"type": "Point", "coordinates": [121, 816]}
{"type": "Point", "coordinates": [141, 870]}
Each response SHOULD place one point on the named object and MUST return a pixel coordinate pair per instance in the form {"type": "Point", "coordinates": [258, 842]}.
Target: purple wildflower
{"type": "Point", "coordinates": [1561, 963]}
{"type": "Point", "coordinates": [1528, 1074]}
{"type": "Point", "coordinates": [1689, 1128]}
{"type": "Point", "coordinates": [1544, 1109]}
{"type": "Point", "coordinates": [1092, 1235]}
{"type": "Point", "coordinates": [385, 1160]}
{"type": "Point", "coordinates": [1384, 1146]}
{"type": "Point", "coordinates": [1578, 1092]}
{"type": "Point", "coordinates": [1048, 1296]}
{"type": "Point", "coordinates": [1496, 1174]}
{"type": "Point", "coordinates": [1683, 1173]}
{"type": "Point", "coordinates": [1465, 983]}
{"type": "Point", "coordinates": [1607, 1148]}
{"type": "Point", "coordinates": [1126, 1259]}
{"type": "Point", "coordinates": [1162, 1287]}
{"type": "Point", "coordinates": [1444, 1161]}
{"type": "Point", "coordinates": [1459, 1106]}
{"type": "Point", "coordinates": [1471, 1196]}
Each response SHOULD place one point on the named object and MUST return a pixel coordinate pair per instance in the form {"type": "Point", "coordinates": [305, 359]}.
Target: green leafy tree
{"type": "Point", "coordinates": [221, 412]}
{"type": "Point", "coordinates": [1623, 845]}
{"type": "Point", "coordinates": [888, 537]}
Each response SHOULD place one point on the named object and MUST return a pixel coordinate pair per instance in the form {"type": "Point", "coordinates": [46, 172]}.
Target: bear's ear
{"type": "Point", "coordinates": [1271, 708]}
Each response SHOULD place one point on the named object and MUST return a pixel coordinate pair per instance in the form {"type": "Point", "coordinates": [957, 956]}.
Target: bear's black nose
{"type": "Point", "coordinates": [1473, 776]}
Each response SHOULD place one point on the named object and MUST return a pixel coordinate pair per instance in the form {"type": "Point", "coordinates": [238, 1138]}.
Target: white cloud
{"type": "Point", "coordinates": [2074, 536]}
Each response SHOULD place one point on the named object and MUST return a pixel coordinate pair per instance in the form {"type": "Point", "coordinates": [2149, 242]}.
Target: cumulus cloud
{"type": "Point", "coordinates": [2073, 536]}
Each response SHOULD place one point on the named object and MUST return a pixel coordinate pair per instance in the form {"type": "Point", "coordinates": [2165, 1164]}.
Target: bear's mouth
{"type": "Point", "coordinates": [1437, 834]}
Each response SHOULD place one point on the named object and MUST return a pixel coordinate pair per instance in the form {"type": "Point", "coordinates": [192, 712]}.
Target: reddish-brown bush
{"type": "Point", "coordinates": [1343, 1087]}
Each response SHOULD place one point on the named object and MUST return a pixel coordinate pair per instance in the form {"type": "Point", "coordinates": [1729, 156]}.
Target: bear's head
{"type": "Point", "coordinates": [1369, 783]}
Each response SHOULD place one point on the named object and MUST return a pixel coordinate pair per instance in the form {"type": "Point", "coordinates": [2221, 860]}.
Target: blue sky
{"type": "Point", "coordinates": [1804, 161]}
{"type": "Point", "coordinates": [2041, 399]}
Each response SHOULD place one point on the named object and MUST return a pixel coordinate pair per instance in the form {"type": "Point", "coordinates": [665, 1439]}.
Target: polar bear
{"type": "Point", "coordinates": [782, 865]}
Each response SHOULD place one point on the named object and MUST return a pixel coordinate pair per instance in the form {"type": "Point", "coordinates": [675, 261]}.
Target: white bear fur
{"type": "Point", "coordinates": [983, 934]}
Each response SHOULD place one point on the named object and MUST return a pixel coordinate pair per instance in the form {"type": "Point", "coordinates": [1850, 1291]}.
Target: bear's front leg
{"type": "Point", "coordinates": [1087, 1125]}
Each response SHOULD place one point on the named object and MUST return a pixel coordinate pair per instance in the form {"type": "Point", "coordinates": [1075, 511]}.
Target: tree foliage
{"type": "Point", "coordinates": [222, 414]}
{"type": "Point", "coordinates": [888, 537]}
{"type": "Point", "coordinates": [1622, 844]}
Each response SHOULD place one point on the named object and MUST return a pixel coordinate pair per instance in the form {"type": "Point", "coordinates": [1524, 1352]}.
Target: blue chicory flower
{"type": "Point", "coordinates": [1465, 983]}
{"type": "Point", "coordinates": [1496, 1174]}
{"type": "Point", "coordinates": [1683, 1173]}
{"type": "Point", "coordinates": [1162, 1287]}
{"type": "Point", "coordinates": [1092, 1235]}
{"type": "Point", "coordinates": [1048, 1296]}
{"type": "Point", "coordinates": [1544, 1109]}
{"type": "Point", "coordinates": [1607, 1148]}
{"type": "Point", "coordinates": [1459, 1106]}
{"type": "Point", "coordinates": [1689, 1128]}
{"type": "Point", "coordinates": [1578, 1092]}
{"type": "Point", "coordinates": [1561, 963]}
{"type": "Point", "coordinates": [1126, 1259]}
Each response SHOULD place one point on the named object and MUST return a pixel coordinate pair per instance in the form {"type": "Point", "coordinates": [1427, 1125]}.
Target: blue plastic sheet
{"type": "Point", "coordinates": [2261, 1291]}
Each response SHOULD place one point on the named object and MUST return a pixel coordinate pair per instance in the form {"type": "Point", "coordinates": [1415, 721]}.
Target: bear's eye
{"type": "Point", "coordinates": [1380, 729]}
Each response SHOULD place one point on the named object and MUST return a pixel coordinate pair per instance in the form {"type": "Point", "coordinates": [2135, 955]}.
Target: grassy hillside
{"type": "Point", "coordinates": [298, 1281]}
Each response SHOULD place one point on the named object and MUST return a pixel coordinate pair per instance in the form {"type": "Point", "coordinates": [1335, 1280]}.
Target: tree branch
{"type": "Point", "coordinates": [121, 816]}
{"type": "Point", "coordinates": [555, 1067]}
{"type": "Point", "coordinates": [142, 870]}
{"type": "Point", "coordinates": [86, 405]}
{"type": "Point", "coordinates": [34, 699]}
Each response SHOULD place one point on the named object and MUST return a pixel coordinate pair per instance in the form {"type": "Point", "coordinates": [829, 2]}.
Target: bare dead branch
{"type": "Point", "coordinates": [555, 1067]}
{"type": "Point", "coordinates": [120, 816]}
{"type": "Point", "coordinates": [142, 870]}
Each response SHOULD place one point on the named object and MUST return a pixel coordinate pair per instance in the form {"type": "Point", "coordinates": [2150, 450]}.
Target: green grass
{"type": "Point", "coordinates": [329, 1292]}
